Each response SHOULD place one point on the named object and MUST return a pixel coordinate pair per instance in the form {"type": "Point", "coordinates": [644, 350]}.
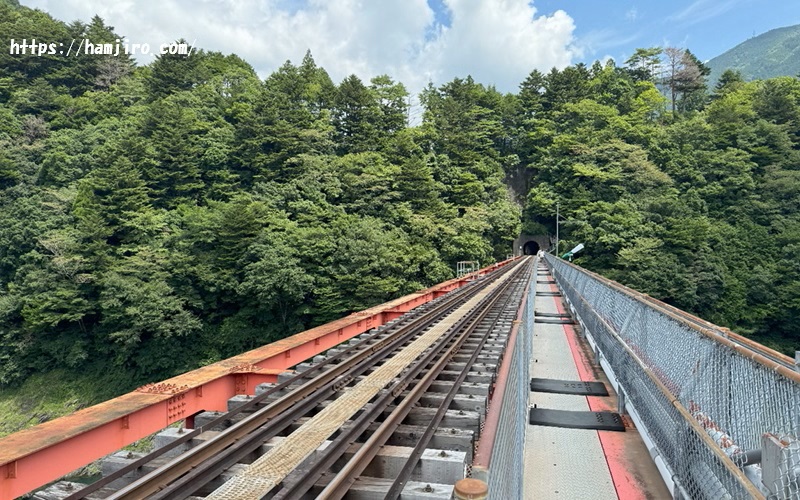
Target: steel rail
{"type": "Point", "coordinates": [460, 295]}
{"type": "Point", "coordinates": [299, 393]}
{"type": "Point", "coordinates": [298, 486]}
{"type": "Point", "coordinates": [218, 454]}
{"type": "Point", "coordinates": [342, 482]}
{"type": "Point", "coordinates": [197, 467]}
{"type": "Point", "coordinates": [404, 475]}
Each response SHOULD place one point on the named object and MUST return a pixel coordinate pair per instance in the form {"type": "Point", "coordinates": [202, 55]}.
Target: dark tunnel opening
{"type": "Point", "coordinates": [530, 248]}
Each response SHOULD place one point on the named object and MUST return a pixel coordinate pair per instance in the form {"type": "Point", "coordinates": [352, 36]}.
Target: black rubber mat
{"type": "Point", "coordinates": [551, 315]}
{"type": "Point", "coordinates": [549, 294]}
{"type": "Point", "coordinates": [554, 321]}
{"type": "Point", "coordinates": [577, 387]}
{"type": "Point", "coordinates": [596, 420]}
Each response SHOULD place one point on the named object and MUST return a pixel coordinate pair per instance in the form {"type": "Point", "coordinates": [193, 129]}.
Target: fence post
{"type": "Point", "coordinates": [471, 489]}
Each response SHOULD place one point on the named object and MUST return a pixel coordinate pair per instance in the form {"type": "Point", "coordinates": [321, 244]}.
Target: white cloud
{"type": "Point", "coordinates": [632, 14]}
{"type": "Point", "coordinates": [597, 41]}
{"type": "Point", "coordinates": [702, 10]}
{"type": "Point", "coordinates": [498, 42]}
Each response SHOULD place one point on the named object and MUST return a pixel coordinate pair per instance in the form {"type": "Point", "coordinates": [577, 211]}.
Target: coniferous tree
{"type": "Point", "coordinates": [355, 116]}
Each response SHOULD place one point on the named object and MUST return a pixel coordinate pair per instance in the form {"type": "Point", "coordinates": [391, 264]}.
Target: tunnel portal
{"type": "Point", "coordinates": [530, 248]}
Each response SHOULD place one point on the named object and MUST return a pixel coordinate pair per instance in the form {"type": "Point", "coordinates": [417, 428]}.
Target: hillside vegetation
{"type": "Point", "coordinates": [769, 55]}
{"type": "Point", "coordinates": [153, 219]}
{"type": "Point", "coordinates": [157, 218]}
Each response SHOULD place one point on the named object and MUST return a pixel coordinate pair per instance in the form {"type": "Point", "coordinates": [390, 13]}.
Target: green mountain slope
{"type": "Point", "coordinates": [771, 54]}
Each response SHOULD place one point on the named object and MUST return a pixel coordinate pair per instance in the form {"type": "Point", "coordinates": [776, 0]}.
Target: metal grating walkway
{"type": "Point", "coordinates": [576, 463]}
{"type": "Point", "coordinates": [560, 463]}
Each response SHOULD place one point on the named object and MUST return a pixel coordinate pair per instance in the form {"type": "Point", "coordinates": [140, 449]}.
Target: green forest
{"type": "Point", "coordinates": [157, 218]}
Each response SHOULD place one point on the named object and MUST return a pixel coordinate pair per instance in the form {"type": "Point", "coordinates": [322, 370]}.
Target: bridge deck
{"type": "Point", "coordinates": [270, 469]}
{"type": "Point", "coordinates": [578, 463]}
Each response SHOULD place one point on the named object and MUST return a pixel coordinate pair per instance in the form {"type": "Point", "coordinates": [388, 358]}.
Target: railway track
{"type": "Point", "coordinates": [416, 386]}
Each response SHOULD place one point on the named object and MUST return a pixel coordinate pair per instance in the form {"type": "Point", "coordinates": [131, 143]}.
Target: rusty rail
{"type": "Point", "coordinates": [202, 464]}
{"type": "Point", "coordinates": [340, 484]}
{"type": "Point", "coordinates": [349, 357]}
{"type": "Point", "coordinates": [500, 437]}
{"type": "Point", "coordinates": [38, 455]}
{"type": "Point", "coordinates": [405, 473]}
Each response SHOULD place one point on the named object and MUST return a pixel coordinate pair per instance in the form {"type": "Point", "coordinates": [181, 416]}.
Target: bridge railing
{"type": "Point", "coordinates": [500, 458]}
{"type": "Point", "coordinates": [705, 399]}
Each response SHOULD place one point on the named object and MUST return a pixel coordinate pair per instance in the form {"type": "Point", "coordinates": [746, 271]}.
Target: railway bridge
{"type": "Point", "coordinates": [530, 378]}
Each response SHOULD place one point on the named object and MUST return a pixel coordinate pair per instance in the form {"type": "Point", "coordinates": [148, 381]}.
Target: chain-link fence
{"type": "Point", "coordinates": [707, 403]}
{"type": "Point", "coordinates": [504, 470]}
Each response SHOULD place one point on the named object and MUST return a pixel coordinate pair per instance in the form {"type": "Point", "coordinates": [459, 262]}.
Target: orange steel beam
{"type": "Point", "coordinates": [38, 455]}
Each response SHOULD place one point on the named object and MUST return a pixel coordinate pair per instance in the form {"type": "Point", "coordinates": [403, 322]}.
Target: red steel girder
{"type": "Point", "coordinates": [38, 455]}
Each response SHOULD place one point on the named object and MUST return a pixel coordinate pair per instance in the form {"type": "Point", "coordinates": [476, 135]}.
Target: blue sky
{"type": "Point", "coordinates": [498, 42]}
{"type": "Point", "coordinates": [706, 27]}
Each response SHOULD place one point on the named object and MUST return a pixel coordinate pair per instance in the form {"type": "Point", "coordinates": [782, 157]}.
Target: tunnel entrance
{"type": "Point", "coordinates": [530, 248]}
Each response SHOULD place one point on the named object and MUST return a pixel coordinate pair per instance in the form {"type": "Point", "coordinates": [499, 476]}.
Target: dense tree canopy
{"type": "Point", "coordinates": [696, 207]}
{"type": "Point", "coordinates": [155, 218]}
